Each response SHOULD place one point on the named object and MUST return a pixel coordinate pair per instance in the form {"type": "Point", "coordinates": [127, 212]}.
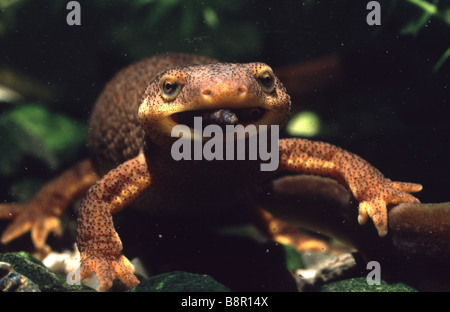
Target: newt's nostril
{"type": "Point", "coordinates": [207, 92]}
{"type": "Point", "coordinates": [242, 90]}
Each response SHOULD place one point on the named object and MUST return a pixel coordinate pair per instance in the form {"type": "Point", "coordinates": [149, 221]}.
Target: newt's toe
{"type": "Point", "coordinates": [107, 268]}
{"type": "Point", "coordinates": [376, 210]}
{"type": "Point", "coordinates": [406, 186]}
{"type": "Point", "coordinates": [22, 221]}
{"type": "Point", "coordinates": [124, 271]}
{"type": "Point", "coordinates": [373, 203]}
{"type": "Point", "coordinates": [28, 217]}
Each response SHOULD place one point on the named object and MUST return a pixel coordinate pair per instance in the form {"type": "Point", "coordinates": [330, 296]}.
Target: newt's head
{"type": "Point", "coordinates": [222, 93]}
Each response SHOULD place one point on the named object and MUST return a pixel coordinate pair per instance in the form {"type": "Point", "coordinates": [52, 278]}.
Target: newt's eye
{"type": "Point", "coordinates": [266, 80]}
{"type": "Point", "coordinates": [170, 88]}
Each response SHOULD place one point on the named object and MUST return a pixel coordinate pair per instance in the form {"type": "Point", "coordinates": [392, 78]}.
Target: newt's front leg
{"type": "Point", "coordinates": [98, 242]}
{"type": "Point", "coordinates": [368, 185]}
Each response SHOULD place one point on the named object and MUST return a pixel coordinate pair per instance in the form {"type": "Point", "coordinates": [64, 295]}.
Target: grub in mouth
{"type": "Point", "coordinates": [221, 117]}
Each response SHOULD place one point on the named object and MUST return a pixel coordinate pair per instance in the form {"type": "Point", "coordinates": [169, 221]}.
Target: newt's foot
{"type": "Point", "coordinates": [373, 203]}
{"type": "Point", "coordinates": [107, 268]}
{"type": "Point", "coordinates": [30, 216]}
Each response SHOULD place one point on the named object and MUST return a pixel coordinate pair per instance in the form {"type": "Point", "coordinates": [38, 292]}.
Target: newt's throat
{"type": "Point", "coordinates": [221, 117]}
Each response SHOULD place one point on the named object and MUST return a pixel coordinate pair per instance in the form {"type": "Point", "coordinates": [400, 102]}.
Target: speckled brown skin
{"type": "Point", "coordinates": [130, 140]}
{"type": "Point", "coordinates": [98, 242]}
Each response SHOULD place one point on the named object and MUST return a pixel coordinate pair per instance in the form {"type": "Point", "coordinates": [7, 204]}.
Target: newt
{"type": "Point", "coordinates": [131, 163]}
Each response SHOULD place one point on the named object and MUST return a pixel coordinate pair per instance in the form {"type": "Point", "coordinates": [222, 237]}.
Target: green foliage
{"type": "Point", "coordinates": [24, 189]}
{"type": "Point", "coordinates": [195, 26]}
{"type": "Point", "coordinates": [305, 123]}
{"type": "Point", "coordinates": [145, 27]}
{"type": "Point", "coordinates": [180, 282]}
{"type": "Point", "coordinates": [429, 12]}
{"type": "Point", "coordinates": [442, 60]}
{"type": "Point", "coordinates": [8, 12]}
{"type": "Point", "coordinates": [294, 261]}
{"type": "Point", "coordinates": [34, 131]}
{"type": "Point", "coordinates": [47, 280]}
{"type": "Point", "coordinates": [360, 284]}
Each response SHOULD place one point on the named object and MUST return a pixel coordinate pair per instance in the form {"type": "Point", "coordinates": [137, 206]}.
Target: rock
{"type": "Point", "coordinates": [12, 281]}
{"type": "Point", "coordinates": [360, 284]}
{"type": "Point", "coordinates": [30, 267]}
{"type": "Point", "coordinates": [180, 282]}
{"type": "Point", "coordinates": [327, 270]}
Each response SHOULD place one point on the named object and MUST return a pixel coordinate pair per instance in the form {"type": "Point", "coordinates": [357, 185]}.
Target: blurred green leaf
{"type": "Point", "coordinates": [429, 11]}
{"type": "Point", "coordinates": [24, 189]}
{"type": "Point", "coordinates": [305, 123]}
{"type": "Point", "coordinates": [159, 10]}
{"type": "Point", "coordinates": [211, 18]}
{"type": "Point", "coordinates": [294, 260]}
{"type": "Point", "coordinates": [441, 61]}
{"type": "Point", "coordinates": [8, 11]}
{"type": "Point", "coordinates": [35, 131]}
{"type": "Point", "coordinates": [4, 4]}
{"type": "Point", "coordinates": [181, 26]}
{"type": "Point", "coordinates": [427, 7]}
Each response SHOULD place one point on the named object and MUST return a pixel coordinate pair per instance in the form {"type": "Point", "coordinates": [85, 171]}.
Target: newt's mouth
{"type": "Point", "coordinates": [221, 117]}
